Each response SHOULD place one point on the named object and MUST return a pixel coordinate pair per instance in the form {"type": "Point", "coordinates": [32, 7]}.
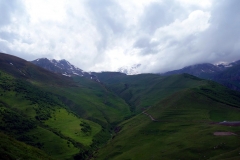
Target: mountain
{"type": "Point", "coordinates": [46, 115]}
{"type": "Point", "coordinates": [230, 77]}
{"type": "Point", "coordinates": [130, 70]}
{"type": "Point", "coordinates": [20, 68]}
{"type": "Point", "coordinates": [226, 74]}
{"type": "Point", "coordinates": [178, 118]}
{"type": "Point", "coordinates": [205, 70]}
{"type": "Point", "coordinates": [65, 117]}
{"type": "Point", "coordinates": [62, 67]}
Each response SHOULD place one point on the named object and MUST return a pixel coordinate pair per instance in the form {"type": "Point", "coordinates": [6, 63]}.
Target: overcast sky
{"type": "Point", "coordinates": [103, 35]}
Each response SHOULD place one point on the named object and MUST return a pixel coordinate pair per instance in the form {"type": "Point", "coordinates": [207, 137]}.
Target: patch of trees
{"type": "Point", "coordinates": [43, 113]}
{"type": "Point", "coordinates": [30, 139]}
{"type": "Point", "coordinates": [86, 128]}
{"type": "Point", "coordinates": [14, 122]}
{"type": "Point", "coordinates": [35, 95]}
{"type": "Point", "coordinates": [83, 154]}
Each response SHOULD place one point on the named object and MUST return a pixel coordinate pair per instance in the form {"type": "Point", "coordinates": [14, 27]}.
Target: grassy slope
{"type": "Point", "coordinates": [11, 149]}
{"type": "Point", "coordinates": [19, 106]}
{"type": "Point", "coordinates": [87, 98]}
{"type": "Point", "coordinates": [21, 68]}
{"type": "Point", "coordinates": [69, 125]}
{"type": "Point", "coordinates": [141, 91]}
{"type": "Point", "coordinates": [36, 94]}
{"type": "Point", "coordinates": [184, 130]}
{"type": "Point", "coordinates": [93, 101]}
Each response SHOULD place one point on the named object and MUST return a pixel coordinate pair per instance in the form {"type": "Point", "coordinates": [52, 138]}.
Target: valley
{"type": "Point", "coordinates": [45, 114]}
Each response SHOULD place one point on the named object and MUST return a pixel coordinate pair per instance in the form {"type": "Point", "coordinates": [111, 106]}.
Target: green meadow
{"type": "Point", "coordinates": [69, 125]}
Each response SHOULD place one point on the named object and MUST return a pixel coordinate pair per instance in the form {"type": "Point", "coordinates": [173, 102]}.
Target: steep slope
{"type": "Point", "coordinates": [205, 70]}
{"type": "Point", "coordinates": [21, 68]}
{"type": "Point", "coordinates": [62, 67]}
{"type": "Point", "coordinates": [26, 112]}
{"type": "Point", "coordinates": [85, 95]}
{"type": "Point", "coordinates": [230, 77]}
{"type": "Point", "coordinates": [180, 126]}
{"type": "Point", "coordinates": [141, 91]}
{"type": "Point", "coordinates": [63, 116]}
{"type": "Point", "coordinates": [12, 149]}
{"type": "Point", "coordinates": [226, 74]}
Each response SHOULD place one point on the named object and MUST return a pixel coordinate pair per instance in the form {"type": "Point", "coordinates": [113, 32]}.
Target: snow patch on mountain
{"type": "Point", "coordinates": [63, 67]}
{"type": "Point", "coordinates": [130, 70]}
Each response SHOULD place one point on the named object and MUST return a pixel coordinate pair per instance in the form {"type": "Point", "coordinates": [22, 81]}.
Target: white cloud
{"type": "Point", "coordinates": [108, 34]}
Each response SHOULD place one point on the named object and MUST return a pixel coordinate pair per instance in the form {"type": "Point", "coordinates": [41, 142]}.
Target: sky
{"type": "Point", "coordinates": [104, 35]}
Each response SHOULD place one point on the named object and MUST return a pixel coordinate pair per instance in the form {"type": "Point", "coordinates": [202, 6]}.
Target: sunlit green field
{"type": "Point", "coordinates": [69, 125]}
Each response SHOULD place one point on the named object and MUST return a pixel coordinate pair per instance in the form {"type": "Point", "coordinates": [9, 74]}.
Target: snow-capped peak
{"type": "Point", "coordinates": [130, 70]}
{"type": "Point", "coordinates": [62, 67]}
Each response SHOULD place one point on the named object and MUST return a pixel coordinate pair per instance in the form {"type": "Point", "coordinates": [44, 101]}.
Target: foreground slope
{"type": "Point", "coordinates": [13, 149]}
{"type": "Point", "coordinates": [79, 94]}
{"type": "Point", "coordinates": [181, 126]}
{"type": "Point", "coordinates": [33, 116]}
{"type": "Point", "coordinates": [62, 116]}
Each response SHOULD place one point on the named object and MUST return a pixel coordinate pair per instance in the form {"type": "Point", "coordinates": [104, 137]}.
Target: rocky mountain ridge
{"type": "Point", "coordinates": [63, 67]}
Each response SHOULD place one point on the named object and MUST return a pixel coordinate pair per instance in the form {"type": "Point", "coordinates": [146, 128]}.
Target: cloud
{"type": "Point", "coordinates": [107, 34]}
{"type": "Point", "coordinates": [8, 9]}
{"type": "Point", "coordinates": [221, 40]}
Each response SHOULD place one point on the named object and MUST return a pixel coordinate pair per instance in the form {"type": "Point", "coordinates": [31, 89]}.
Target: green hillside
{"type": "Point", "coordinates": [26, 113]}
{"type": "Point", "coordinates": [49, 116]}
{"type": "Point", "coordinates": [141, 91]}
{"type": "Point", "coordinates": [62, 116]}
{"type": "Point", "coordinates": [184, 129]}
{"type": "Point", "coordinates": [11, 149]}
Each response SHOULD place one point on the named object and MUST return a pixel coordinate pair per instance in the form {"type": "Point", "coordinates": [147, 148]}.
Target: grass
{"type": "Point", "coordinates": [94, 101]}
{"type": "Point", "coordinates": [184, 131]}
{"type": "Point", "coordinates": [23, 103]}
{"type": "Point", "coordinates": [141, 91]}
{"type": "Point", "coordinates": [13, 149]}
{"type": "Point", "coordinates": [69, 125]}
{"type": "Point", "coordinates": [52, 144]}
{"type": "Point", "coordinates": [43, 109]}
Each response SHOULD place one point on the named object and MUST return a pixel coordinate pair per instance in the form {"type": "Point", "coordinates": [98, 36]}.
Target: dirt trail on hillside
{"type": "Point", "coordinates": [224, 134]}
{"type": "Point", "coordinates": [150, 116]}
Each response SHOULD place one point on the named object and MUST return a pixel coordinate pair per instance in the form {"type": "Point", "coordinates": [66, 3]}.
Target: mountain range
{"type": "Point", "coordinates": [226, 74]}
{"type": "Point", "coordinates": [54, 110]}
